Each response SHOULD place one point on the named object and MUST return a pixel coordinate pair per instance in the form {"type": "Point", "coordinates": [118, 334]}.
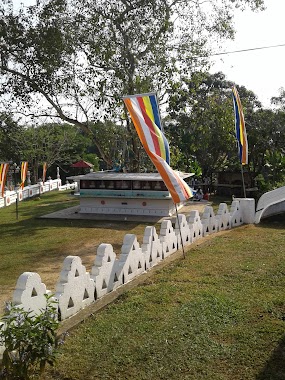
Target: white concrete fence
{"type": "Point", "coordinates": [31, 191]}
{"type": "Point", "coordinates": [77, 288]}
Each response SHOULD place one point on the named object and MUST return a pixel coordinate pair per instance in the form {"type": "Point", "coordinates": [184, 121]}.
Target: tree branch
{"type": "Point", "coordinates": [83, 126]}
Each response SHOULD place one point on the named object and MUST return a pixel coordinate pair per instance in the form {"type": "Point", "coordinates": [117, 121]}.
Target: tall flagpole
{"type": "Point", "coordinates": [243, 184]}
{"type": "Point", "coordinates": [240, 133]}
{"type": "Point", "coordinates": [180, 232]}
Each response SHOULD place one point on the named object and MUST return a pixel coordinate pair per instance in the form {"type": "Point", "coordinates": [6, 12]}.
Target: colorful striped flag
{"type": "Point", "coordinates": [3, 174]}
{"type": "Point", "coordinates": [240, 128]}
{"type": "Point", "coordinates": [145, 116]}
{"type": "Point", "coordinates": [44, 171]}
{"type": "Point", "coordinates": [24, 170]}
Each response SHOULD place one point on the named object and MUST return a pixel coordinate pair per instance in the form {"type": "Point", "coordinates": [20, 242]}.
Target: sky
{"type": "Point", "coordinates": [262, 71]}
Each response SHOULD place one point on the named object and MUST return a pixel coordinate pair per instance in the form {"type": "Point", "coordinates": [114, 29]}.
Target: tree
{"type": "Point", "coordinates": [77, 58]}
{"type": "Point", "coordinates": [56, 144]}
{"type": "Point", "coordinates": [201, 126]}
{"type": "Point", "coordinates": [202, 122]}
{"type": "Point", "coordinates": [113, 142]}
{"type": "Point", "coordinates": [10, 141]}
{"type": "Point", "coordinates": [279, 100]}
{"type": "Point", "coordinates": [266, 140]}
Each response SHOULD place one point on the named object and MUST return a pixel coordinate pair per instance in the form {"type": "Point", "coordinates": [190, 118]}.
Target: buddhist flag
{"type": "Point", "coordinates": [44, 171]}
{"type": "Point", "coordinates": [240, 128]}
{"type": "Point", "coordinates": [145, 116]}
{"type": "Point", "coordinates": [24, 169]}
{"type": "Point", "coordinates": [3, 174]}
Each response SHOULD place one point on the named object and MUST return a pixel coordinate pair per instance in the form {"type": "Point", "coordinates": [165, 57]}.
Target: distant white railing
{"type": "Point", "coordinates": [31, 191]}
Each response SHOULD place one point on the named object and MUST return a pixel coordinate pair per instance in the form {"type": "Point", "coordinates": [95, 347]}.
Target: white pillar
{"type": "Point", "coordinates": [57, 173]}
{"type": "Point", "coordinates": [29, 178]}
{"type": "Point", "coordinates": [41, 185]}
{"type": "Point", "coordinates": [20, 194]}
{"type": "Point", "coordinates": [247, 206]}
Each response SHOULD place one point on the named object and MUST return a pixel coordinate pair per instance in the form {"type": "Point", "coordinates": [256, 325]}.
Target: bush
{"type": "Point", "coordinates": [30, 341]}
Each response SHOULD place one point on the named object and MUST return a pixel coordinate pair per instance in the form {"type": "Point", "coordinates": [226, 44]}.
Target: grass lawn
{"type": "Point", "coordinates": [219, 314]}
{"type": "Point", "coordinates": [40, 245]}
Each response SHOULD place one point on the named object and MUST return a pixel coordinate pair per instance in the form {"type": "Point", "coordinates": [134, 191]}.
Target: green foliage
{"type": "Point", "coordinates": [30, 341]}
{"type": "Point", "coordinates": [56, 144]}
{"type": "Point", "coordinates": [273, 173]}
{"type": "Point", "coordinates": [195, 168]}
{"type": "Point", "coordinates": [201, 121]}
{"type": "Point", "coordinates": [265, 130]}
{"type": "Point", "coordinates": [179, 162]}
{"type": "Point", "coordinates": [279, 101]}
{"type": "Point", "coordinates": [93, 159]}
{"type": "Point", "coordinates": [10, 138]}
{"type": "Point", "coordinates": [262, 184]}
{"type": "Point", "coordinates": [201, 128]}
{"type": "Point", "coordinates": [113, 140]}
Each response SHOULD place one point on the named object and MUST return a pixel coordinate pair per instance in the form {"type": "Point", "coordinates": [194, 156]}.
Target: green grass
{"type": "Point", "coordinates": [219, 314]}
{"type": "Point", "coordinates": [40, 245]}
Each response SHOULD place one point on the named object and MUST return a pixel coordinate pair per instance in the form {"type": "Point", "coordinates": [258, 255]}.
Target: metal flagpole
{"type": "Point", "coordinates": [243, 184]}
{"type": "Point", "coordinates": [15, 181]}
{"type": "Point", "coordinates": [180, 232]}
{"type": "Point", "coordinates": [17, 208]}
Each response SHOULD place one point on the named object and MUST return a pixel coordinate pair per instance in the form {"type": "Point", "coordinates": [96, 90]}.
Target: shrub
{"type": "Point", "coordinates": [30, 341]}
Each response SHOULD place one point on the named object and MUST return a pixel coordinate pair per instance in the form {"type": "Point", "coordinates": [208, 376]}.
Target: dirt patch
{"type": "Point", "coordinates": [50, 272]}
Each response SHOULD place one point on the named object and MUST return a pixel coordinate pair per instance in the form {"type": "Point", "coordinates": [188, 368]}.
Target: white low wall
{"type": "Point", "coordinates": [77, 288]}
{"type": "Point", "coordinates": [31, 191]}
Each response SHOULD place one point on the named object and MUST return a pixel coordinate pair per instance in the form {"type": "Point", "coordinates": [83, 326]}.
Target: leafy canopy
{"type": "Point", "coordinates": [75, 59]}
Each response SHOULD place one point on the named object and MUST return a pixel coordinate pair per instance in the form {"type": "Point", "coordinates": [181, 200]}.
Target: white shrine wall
{"type": "Point", "coordinates": [128, 206]}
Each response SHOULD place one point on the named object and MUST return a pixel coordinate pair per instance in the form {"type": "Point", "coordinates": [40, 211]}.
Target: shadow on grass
{"type": "Point", "coordinates": [275, 221]}
{"type": "Point", "coordinates": [274, 368]}
{"type": "Point", "coordinates": [30, 226]}
{"type": "Point", "coordinates": [30, 221]}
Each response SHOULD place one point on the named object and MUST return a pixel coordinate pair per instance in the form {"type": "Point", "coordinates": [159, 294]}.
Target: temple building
{"type": "Point", "coordinates": [125, 193]}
